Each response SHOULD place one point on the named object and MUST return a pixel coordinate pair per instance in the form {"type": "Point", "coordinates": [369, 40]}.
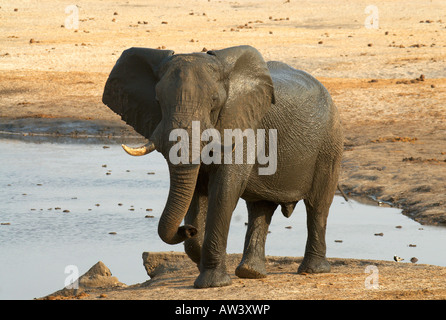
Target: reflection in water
{"type": "Point", "coordinates": [60, 202]}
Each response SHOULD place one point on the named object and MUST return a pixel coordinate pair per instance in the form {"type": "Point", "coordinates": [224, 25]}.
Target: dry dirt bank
{"type": "Point", "coordinates": [395, 125]}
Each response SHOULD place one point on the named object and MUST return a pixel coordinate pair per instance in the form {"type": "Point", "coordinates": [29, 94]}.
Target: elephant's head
{"type": "Point", "coordinates": [156, 92]}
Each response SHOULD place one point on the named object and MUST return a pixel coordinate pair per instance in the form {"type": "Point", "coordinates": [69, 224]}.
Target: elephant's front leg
{"type": "Point", "coordinates": [225, 188]}
{"type": "Point", "coordinates": [196, 216]}
{"type": "Point", "coordinates": [253, 261]}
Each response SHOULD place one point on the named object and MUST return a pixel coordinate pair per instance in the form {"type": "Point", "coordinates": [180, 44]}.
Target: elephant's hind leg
{"type": "Point", "coordinates": [253, 261]}
{"type": "Point", "coordinates": [314, 259]}
{"type": "Point", "coordinates": [317, 205]}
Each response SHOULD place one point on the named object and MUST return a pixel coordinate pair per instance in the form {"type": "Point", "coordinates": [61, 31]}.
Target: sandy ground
{"type": "Point", "coordinates": [172, 276]}
{"type": "Point", "coordinates": [394, 118]}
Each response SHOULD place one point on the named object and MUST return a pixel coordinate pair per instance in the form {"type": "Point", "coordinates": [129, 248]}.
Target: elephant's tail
{"type": "Point", "coordinates": [342, 192]}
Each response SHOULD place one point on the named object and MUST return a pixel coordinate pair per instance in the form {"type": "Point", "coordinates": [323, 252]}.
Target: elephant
{"type": "Point", "coordinates": [157, 91]}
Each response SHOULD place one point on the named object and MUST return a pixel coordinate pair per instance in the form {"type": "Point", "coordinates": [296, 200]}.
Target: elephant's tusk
{"type": "Point", "coordinates": [146, 149]}
{"type": "Point", "coordinates": [223, 146]}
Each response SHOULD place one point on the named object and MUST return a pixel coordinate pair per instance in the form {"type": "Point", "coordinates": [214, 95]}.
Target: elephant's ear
{"type": "Point", "coordinates": [250, 87]}
{"type": "Point", "coordinates": [130, 88]}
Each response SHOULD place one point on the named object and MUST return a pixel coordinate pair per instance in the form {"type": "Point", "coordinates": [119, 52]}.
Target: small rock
{"type": "Point", "coordinates": [148, 216]}
{"type": "Point", "coordinates": [164, 22]}
{"type": "Point", "coordinates": [339, 241]}
{"type": "Point", "coordinates": [115, 13]}
{"type": "Point", "coordinates": [370, 44]}
{"type": "Point", "coordinates": [159, 263]}
{"type": "Point", "coordinates": [102, 295]}
{"type": "Point", "coordinates": [148, 209]}
{"type": "Point", "coordinates": [288, 227]}
{"type": "Point", "coordinates": [379, 234]}
{"type": "Point", "coordinates": [66, 211]}
{"type": "Point", "coordinates": [413, 260]}
{"type": "Point", "coordinates": [398, 227]}
{"type": "Point", "coordinates": [112, 232]}
{"type": "Point", "coordinates": [5, 223]}
{"type": "Point", "coordinates": [412, 245]}
{"type": "Point", "coordinates": [98, 276]}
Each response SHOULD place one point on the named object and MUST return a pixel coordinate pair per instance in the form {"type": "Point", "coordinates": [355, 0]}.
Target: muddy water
{"type": "Point", "coordinates": [66, 204]}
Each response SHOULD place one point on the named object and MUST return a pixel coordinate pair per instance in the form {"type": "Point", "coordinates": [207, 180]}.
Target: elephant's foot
{"type": "Point", "coordinates": [314, 264]}
{"type": "Point", "coordinates": [251, 270]}
{"type": "Point", "coordinates": [209, 278]}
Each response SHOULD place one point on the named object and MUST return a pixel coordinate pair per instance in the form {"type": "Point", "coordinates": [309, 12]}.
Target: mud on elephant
{"type": "Point", "coordinates": [158, 92]}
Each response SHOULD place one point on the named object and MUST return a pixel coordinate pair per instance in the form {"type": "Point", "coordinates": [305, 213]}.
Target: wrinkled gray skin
{"type": "Point", "coordinates": [156, 91]}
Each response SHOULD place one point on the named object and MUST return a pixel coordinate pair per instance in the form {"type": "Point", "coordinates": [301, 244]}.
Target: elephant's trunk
{"type": "Point", "coordinates": [183, 179]}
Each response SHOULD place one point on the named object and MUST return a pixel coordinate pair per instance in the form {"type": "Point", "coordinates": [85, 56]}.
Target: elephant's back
{"type": "Point", "coordinates": [303, 115]}
{"type": "Point", "coordinates": [303, 109]}
{"type": "Point", "coordinates": [293, 85]}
